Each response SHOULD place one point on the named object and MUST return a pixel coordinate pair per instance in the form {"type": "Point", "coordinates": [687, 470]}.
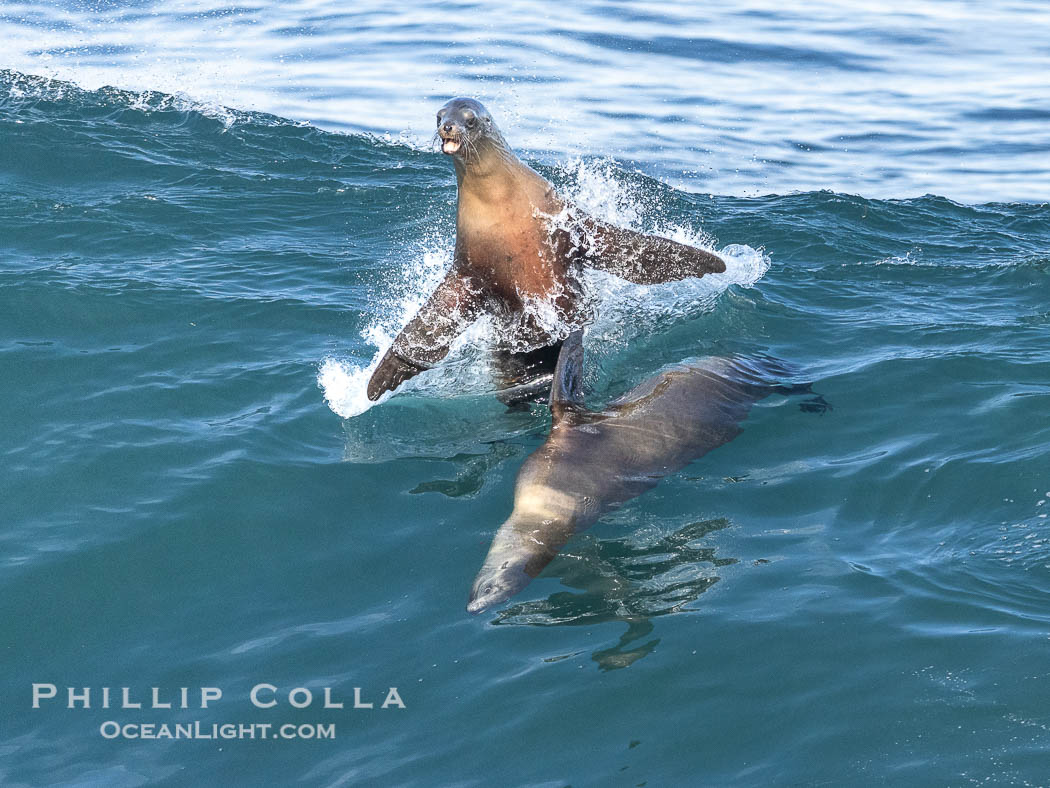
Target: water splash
{"type": "Point", "coordinates": [619, 309]}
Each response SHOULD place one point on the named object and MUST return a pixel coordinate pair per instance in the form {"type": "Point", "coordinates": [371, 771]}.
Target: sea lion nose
{"type": "Point", "coordinates": [447, 128]}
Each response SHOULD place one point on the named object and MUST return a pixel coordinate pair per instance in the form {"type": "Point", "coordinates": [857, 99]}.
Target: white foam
{"type": "Point", "coordinates": [344, 385]}
{"type": "Point", "coordinates": [600, 189]}
{"type": "Point", "coordinates": [624, 309]}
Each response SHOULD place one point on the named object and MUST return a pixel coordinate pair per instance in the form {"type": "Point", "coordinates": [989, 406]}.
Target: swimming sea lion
{"type": "Point", "coordinates": [593, 461]}
{"type": "Point", "coordinates": [519, 250]}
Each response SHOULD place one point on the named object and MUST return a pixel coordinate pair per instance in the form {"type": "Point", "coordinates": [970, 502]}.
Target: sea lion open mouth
{"type": "Point", "coordinates": [450, 146]}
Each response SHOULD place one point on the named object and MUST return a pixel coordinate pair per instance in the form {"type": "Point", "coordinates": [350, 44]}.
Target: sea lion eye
{"type": "Point", "coordinates": [472, 121]}
{"type": "Point", "coordinates": [439, 118]}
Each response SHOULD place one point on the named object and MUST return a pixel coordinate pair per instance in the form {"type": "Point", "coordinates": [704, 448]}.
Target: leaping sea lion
{"type": "Point", "coordinates": [593, 461]}
{"type": "Point", "coordinates": [518, 257]}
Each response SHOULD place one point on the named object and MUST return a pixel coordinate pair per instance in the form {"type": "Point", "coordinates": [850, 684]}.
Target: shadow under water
{"type": "Point", "coordinates": [473, 469]}
{"type": "Point", "coordinates": [622, 580]}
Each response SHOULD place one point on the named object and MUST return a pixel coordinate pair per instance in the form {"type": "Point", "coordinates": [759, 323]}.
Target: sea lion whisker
{"type": "Point", "coordinates": [471, 151]}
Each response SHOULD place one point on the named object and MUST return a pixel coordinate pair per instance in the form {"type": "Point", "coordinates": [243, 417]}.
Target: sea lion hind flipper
{"type": "Point", "coordinates": [645, 259]}
{"type": "Point", "coordinates": [567, 386]}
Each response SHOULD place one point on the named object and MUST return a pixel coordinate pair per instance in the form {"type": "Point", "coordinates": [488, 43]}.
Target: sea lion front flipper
{"type": "Point", "coordinates": [567, 387]}
{"type": "Point", "coordinates": [391, 373]}
{"type": "Point", "coordinates": [428, 337]}
{"type": "Point", "coordinates": [525, 377]}
{"type": "Point", "coordinates": [644, 259]}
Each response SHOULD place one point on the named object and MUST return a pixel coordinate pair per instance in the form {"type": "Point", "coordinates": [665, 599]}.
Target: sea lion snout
{"type": "Point", "coordinates": [495, 585]}
{"type": "Point", "coordinates": [451, 136]}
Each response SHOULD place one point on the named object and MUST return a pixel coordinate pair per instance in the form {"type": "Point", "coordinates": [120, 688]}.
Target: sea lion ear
{"type": "Point", "coordinates": [567, 387]}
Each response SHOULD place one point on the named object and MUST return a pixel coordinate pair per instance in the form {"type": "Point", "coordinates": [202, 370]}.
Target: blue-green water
{"type": "Point", "coordinates": [196, 495]}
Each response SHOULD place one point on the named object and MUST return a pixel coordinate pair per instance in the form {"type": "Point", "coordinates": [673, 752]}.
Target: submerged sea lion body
{"type": "Point", "coordinates": [518, 254]}
{"type": "Point", "coordinates": [593, 461]}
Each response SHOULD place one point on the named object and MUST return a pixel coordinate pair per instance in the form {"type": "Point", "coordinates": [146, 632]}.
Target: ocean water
{"type": "Point", "coordinates": [212, 220]}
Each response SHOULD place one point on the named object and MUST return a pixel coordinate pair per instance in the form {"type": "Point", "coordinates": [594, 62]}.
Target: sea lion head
{"type": "Point", "coordinates": [495, 584]}
{"type": "Point", "coordinates": [465, 128]}
{"type": "Point", "coordinates": [521, 548]}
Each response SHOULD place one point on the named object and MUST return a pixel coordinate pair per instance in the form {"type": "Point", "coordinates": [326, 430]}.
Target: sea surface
{"type": "Point", "coordinates": [213, 218]}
